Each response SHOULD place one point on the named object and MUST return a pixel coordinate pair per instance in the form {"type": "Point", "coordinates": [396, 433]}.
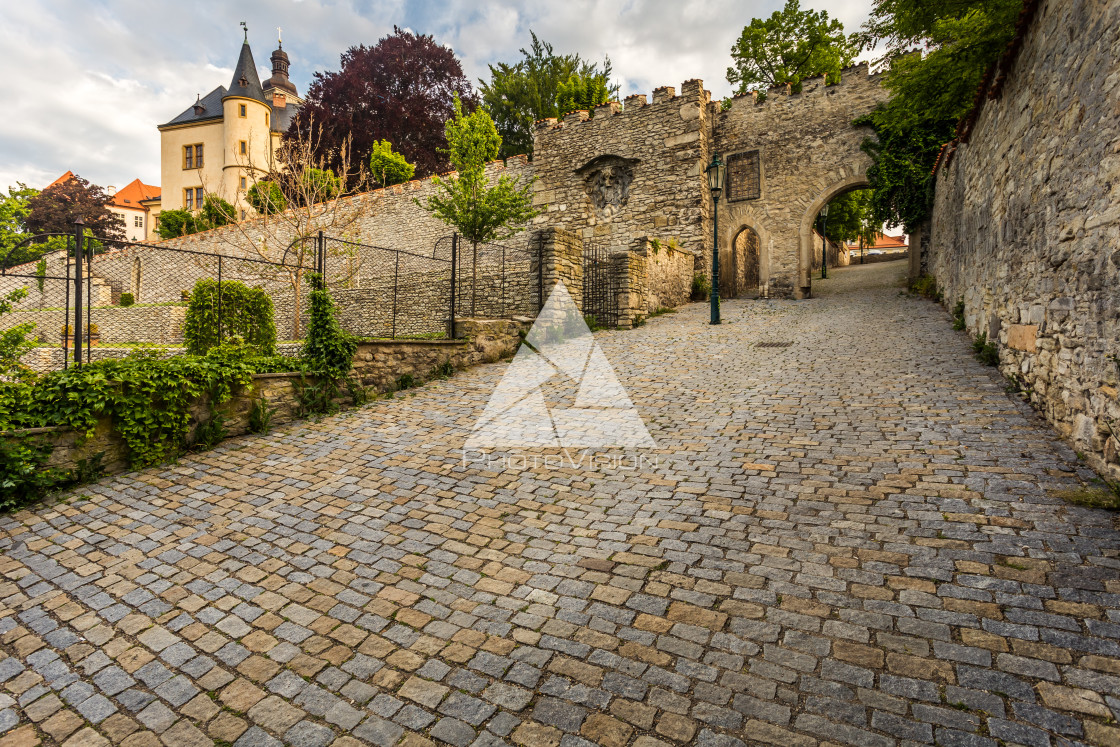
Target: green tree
{"type": "Point", "coordinates": [848, 216]}
{"type": "Point", "coordinates": [582, 92]}
{"type": "Point", "coordinates": [480, 211]}
{"type": "Point", "coordinates": [14, 210]}
{"type": "Point", "coordinates": [388, 168]}
{"type": "Point", "coordinates": [176, 223]}
{"type": "Point", "coordinates": [520, 94]}
{"type": "Point", "coordinates": [216, 212]}
{"type": "Point", "coordinates": [930, 94]}
{"type": "Point", "coordinates": [320, 185]}
{"type": "Point", "coordinates": [266, 197]}
{"type": "Point", "coordinates": [788, 47]}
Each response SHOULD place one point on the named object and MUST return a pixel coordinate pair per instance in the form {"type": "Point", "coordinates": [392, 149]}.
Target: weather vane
{"type": "Point", "coordinates": [279, 36]}
{"type": "Point", "coordinates": [245, 28]}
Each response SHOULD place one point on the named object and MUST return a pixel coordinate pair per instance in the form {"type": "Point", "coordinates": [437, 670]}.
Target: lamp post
{"type": "Point", "coordinates": [716, 172]}
{"type": "Point", "coordinates": [824, 243]}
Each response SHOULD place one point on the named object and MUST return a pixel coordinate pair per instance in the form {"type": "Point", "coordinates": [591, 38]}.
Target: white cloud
{"type": "Point", "coordinates": [89, 80]}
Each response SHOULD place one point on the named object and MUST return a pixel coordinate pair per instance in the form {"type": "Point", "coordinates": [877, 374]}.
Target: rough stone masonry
{"type": "Point", "coordinates": [1026, 225]}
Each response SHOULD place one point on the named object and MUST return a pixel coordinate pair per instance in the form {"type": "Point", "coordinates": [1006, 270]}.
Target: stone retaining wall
{"type": "Point", "coordinates": [1026, 223]}
{"type": "Point", "coordinates": [378, 366]}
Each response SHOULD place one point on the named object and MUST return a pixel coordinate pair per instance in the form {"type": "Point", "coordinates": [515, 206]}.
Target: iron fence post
{"type": "Point", "coordinates": [89, 295]}
{"type": "Point", "coordinates": [454, 270]}
{"type": "Point", "coordinates": [219, 299]}
{"type": "Point", "coordinates": [66, 314]}
{"type": "Point", "coordinates": [79, 228]}
{"type": "Point", "coordinates": [540, 271]}
{"type": "Point", "coordinates": [396, 281]}
{"type": "Point", "coordinates": [322, 258]}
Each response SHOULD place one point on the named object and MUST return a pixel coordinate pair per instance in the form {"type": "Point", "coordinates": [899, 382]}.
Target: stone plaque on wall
{"type": "Point", "coordinates": [607, 180]}
{"type": "Point", "coordinates": [744, 176]}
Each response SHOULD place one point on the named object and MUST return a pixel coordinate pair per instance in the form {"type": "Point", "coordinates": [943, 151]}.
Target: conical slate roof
{"type": "Point", "coordinates": [246, 82]}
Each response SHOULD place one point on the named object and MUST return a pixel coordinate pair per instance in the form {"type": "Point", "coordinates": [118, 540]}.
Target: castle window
{"type": "Point", "coordinates": [192, 156]}
{"type": "Point", "coordinates": [241, 110]}
{"type": "Point", "coordinates": [266, 119]}
{"type": "Point", "coordinates": [192, 198]}
{"type": "Point", "coordinates": [243, 182]}
{"type": "Point", "coordinates": [744, 176]}
{"type": "Point", "coordinates": [244, 148]}
{"type": "Point", "coordinates": [138, 221]}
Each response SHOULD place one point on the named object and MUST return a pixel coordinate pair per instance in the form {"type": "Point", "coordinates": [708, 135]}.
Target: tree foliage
{"type": "Point", "coordinates": [849, 217]}
{"type": "Point", "coordinates": [56, 208]}
{"type": "Point", "coordinates": [387, 167]}
{"type": "Point", "coordinates": [14, 211]}
{"type": "Point", "coordinates": [478, 210]}
{"type": "Point", "coordinates": [542, 84]}
{"type": "Point", "coordinates": [930, 93]}
{"type": "Point", "coordinates": [215, 212]}
{"type": "Point", "coordinates": [788, 47]}
{"type": "Point", "coordinates": [398, 90]}
{"type": "Point", "coordinates": [266, 197]}
{"type": "Point", "coordinates": [319, 185]}
{"type": "Point", "coordinates": [175, 223]}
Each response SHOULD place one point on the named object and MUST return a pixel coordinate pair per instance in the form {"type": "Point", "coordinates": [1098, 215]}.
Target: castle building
{"type": "Point", "coordinates": [229, 138]}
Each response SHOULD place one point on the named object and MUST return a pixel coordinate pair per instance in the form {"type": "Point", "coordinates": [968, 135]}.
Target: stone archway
{"type": "Point", "coordinates": [740, 267]}
{"type": "Point", "coordinates": [805, 235]}
{"type": "Point", "coordinates": [733, 221]}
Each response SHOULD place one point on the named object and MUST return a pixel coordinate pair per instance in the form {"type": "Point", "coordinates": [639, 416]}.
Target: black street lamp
{"type": "Point", "coordinates": [824, 243]}
{"type": "Point", "coordinates": [716, 172]}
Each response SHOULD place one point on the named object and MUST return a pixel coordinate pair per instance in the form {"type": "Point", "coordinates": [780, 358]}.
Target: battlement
{"type": "Point", "coordinates": [854, 79]}
{"type": "Point", "coordinates": [691, 90]}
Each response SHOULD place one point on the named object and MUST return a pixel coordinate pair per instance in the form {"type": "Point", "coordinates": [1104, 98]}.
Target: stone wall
{"type": "Point", "coordinates": [1026, 223]}
{"type": "Point", "coordinates": [156, 325]}
{"type": "Point", "coordinates": [627, 172]}
{"type": "Point", "coordinates": [809, 152]}
{"type": "Point", "coordinates": [377, 365]}
{"type": "Point", "coordinates": [669, 271]}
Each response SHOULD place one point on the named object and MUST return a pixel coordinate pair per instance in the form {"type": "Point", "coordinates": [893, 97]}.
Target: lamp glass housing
{"type": "Point", "coordinates": [717, 172]}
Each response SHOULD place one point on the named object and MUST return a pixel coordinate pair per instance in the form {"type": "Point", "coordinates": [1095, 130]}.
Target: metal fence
{"type": "Point", "coordinates": [388, 293]}
{"type": "Point", "coordinates": [499, 281]}
{"type": "Point", "coordinates": [84, 299]}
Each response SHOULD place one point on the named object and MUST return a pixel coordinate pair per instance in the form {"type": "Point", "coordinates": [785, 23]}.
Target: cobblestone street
{"type": "Point", "coordinates": [848, 539]}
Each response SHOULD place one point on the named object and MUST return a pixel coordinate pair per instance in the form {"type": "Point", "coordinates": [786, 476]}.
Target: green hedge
{"type": "Point", "coordinates": [245, 312]}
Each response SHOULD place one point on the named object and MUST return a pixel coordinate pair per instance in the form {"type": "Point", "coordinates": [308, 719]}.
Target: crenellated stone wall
{"type": "Point", "coordinates": [1026, 223]}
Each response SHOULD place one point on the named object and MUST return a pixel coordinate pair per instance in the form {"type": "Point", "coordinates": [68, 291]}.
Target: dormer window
{"type": "Point", "coordinates": [243, 82]}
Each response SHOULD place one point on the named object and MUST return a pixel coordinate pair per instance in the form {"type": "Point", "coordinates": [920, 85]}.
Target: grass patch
{"type": "Point", "coordinates": [1089, 496]}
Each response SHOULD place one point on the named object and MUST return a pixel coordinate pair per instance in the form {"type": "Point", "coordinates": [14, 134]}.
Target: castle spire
{"type": "Point", "coordinates": [246, 82]}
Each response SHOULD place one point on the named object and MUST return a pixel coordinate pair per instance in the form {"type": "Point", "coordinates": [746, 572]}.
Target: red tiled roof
{"type": "Point", "coordinates": [882, 241]}
{"type": "Point", "coordinates": [131, 195]}
{"type": "Point", "coordinates": [62, 179]}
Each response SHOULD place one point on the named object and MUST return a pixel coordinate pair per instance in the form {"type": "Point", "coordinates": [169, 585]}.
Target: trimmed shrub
{"type": "Point", "coordinates": [127, 299]}
{"type": "Point", "coordinates": [246, 313]}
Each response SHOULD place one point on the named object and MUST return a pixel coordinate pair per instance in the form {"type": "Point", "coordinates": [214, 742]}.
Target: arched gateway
{"type": "Point", "coordinates": [786, 155]}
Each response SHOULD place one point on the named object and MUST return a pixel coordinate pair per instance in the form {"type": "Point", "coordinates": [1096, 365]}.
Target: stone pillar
{"type": "Point", "coordinates": [915, 268]}
{"type": "Point", "coordinates": [631, 282]}
{"type": "Point", "coordinates": [562, 261]}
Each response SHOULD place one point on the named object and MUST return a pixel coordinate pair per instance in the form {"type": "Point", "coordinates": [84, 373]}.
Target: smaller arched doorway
{"type": "Point", "coordinates": [742, 276]}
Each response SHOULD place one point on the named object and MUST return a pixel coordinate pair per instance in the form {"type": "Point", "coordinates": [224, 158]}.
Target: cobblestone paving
{"type": "Point", "coordinates": [847, 540]}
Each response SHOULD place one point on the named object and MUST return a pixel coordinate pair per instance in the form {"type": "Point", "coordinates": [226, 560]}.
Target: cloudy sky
{"type": "Point", "coordinates": [87, 81]}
